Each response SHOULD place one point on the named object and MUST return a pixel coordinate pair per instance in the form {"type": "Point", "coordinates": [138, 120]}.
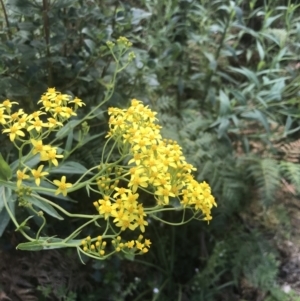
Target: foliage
{"type": "Point", "coordinates": [155, 166]}
{"type": "Point", "coordinates": [223, 77]}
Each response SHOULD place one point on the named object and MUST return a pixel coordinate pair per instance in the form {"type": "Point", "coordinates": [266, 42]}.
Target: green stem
{"type": "Point", "coordinates": [14, 220]}
{"type": "Point", "coordinates": [43, 224]}
{"type": "Point", "coordinates": [81, 227]}
{"type": "Point", "coordinates": [173, 224]}
{"type": "Point", "coordinates": [6, 20]}
{"type": "Point", "coordinates": [61, 209]}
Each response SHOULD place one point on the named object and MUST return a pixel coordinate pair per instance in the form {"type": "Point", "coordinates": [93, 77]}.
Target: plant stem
{"type": "Point", "coordinates": [6, 19]}
{"type": "Point", "coordinates": [47, 40]}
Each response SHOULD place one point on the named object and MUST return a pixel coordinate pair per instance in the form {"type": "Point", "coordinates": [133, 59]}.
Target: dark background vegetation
{"type": "Point", "coordinates": [224, 77]}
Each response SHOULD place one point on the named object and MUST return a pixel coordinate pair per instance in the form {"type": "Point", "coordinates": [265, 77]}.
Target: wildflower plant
{"type": "Point", "coordinates": [146, 162]}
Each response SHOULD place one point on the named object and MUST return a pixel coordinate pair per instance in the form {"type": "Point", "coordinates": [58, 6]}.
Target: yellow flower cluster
{"type": "Point", "coordinates": [35, 127]}
{"type": "Point", "coordinates": [96, 246]}
{"type": "Point", "coordinates": [53, 103]}
{"type": "Point", "coordinates": [125, 210]}
{"type": "Point", "coordinates": [157, 164]}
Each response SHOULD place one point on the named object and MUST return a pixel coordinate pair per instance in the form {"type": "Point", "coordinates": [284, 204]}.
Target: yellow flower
{"type": "Point", "coordinates": [142, 223]}
{"type": "Point", "coordinates": [51, 93]}
{"type": "Point", "coordinates": [69, 112]}
{"type": "Point", "coordinates": [78, 102]}
{"type": "Point", "coordinates": [7, 103]}
{"type": "Point", "coordinates": [3, 116]}
{"type": "Point", "coordinates": [50, 155]}
{"type": "Point", "coordinates": [125, 223]}
{"type": "Point", "coordinates": [36, 124]}
{"type": "Point", "coordinates": [137, 181]}
{"type": "Point", "coordinates": [130, 244]}
{"type": "Point", "coordinates": [35, 114]}
{"type": "Point", "coordinates": [39, 147]}
{"type": "Point", "coordinates": [21, 176]}
{"type": "Point", "coordinates": [124, 42]}
{"type": "Point", "coordinates": [139, 245]}
{"type": "Point", "coordinates": [15, 116]}
{"type": "Point", "coordinates": [62, 186]}
{"type": "Point", "coordinates": [58, 111]}
{"type": "Point", "coordinates": [164, 193]}
{"type": "Point", "coordinates": [14, 131]}
{"type": "Point", "coordinates": [53, 123]}
{"type": "Point", "coordinates": [105, 207]}
{"type": "Point", "coordinates": [61, 99]}
{"type": "Point", "coordinates": [147, 243]}
{"type": "Point", "coordinates": [22, 120]}
{"type": "Point", "coordinates": [120, 191]}
{"type": "Point", "coordinates": [38, 174]}
{"type": "Point", "coordinates": [47, 104]}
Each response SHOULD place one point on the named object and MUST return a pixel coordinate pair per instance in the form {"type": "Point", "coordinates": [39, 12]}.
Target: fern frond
{"type": "Point", "coordinates": [291, 172]}
{"type": "Point", "coordinates": [266, 175]}
{"type": "Point", "coordinates": [166, 104]}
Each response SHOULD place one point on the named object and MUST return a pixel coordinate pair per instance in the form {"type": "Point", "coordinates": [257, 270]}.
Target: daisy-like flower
{"type": "Point", "coordinates": [78, 102]}
{"type": "Point", "coordinates": [38, 174]}
{"type": "Point", "coordinates": [22, 120]}
{"type": "Point", "coordinates": [36, 124]}
{"type": "Point", "coordinates": [69, 112]}
{"type": "Point", "coordinates": [7, 104]}
{"type": "Point", "coordinates": [21, 175]}
{"type": "Point", "coordinates": [39, 147]}
{"type": "Point", "coordinates": [51, 93]}
{"type": "Point", "coordinates": [50, 155]}
{"type": "Point", "coordinates": [35, 115]}
{"type": "Point", "coordinates": [52, 123]}
{"type": "Point", "coordinates": [164, 192]}
{"type": "Point", "coordinates": [62, 186]}
{"type": "Point", "coordinates": [14, 131]}
{"type": "Point", "coordinates": [15, 116]}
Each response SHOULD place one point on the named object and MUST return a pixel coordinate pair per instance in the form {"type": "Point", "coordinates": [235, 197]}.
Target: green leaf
{"type": "Point", "coordinates": [5, 170]}
{"type": "Point", "coordinates": [43, 206]}
{"type": "Point", "coordinates": [30, 246]}
{"type": "Point", "coordinates": [5, 193]}
{"type": "Point", "coordinates": [23, 225]}
{"type": "Point", "coordinates": [224, 103]}
{"type": "Point", "coordinates": [259, 116]}
{"type": "Point", "coordinates": [64, 131]}
{"type": "Point", "coordinates": [260, 50]}
{"type": "Point", "coordinates": [223, 127]}
{"type": "Point", "coordinates": [138, 15]}
{"type": "Point", "coordinates": [90, 44]}
{"type": "Point", "coordinates": [250, 75]}
{"type": "Point", "coordinates": [69, 141]}
{"type": "Point", "coordinates": [47, 243]}
{"type": "Point", "coordinates": [69, 167]}
{"type": "Point", "coordinates": [4, 218]}
{"type": "Point", "coordinates": [265, 173]}
{"type": "Point", "coordinates": [270, 20]}
{"type": "Point", "coordinates": [88, 137]}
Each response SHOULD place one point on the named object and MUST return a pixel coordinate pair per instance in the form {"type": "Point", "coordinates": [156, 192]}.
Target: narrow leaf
{"type": "Point", "coordinates": [5, 170]}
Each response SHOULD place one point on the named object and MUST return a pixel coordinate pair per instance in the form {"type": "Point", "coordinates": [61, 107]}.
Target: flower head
{"type": "Point", "coordinates": [21, 175]}
{"type": "Point", "coordinates": [38, 174]}
{"type": "Point", "coordinates": [62, 186]}
{"type": "Point", "coordinates": [14, 131]}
